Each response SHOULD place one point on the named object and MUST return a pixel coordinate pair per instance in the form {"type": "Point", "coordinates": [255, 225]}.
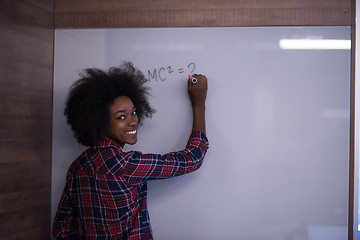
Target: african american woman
{"type": "Point", "coordinates": [106, 187]}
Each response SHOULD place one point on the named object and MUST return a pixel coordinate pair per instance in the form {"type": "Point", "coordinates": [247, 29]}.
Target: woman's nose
{"type": "Point", "coordinates": [134, 120]}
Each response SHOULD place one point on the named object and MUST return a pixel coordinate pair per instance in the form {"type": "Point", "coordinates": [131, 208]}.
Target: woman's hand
{"type": "Point", "coordinates": [197, 90]}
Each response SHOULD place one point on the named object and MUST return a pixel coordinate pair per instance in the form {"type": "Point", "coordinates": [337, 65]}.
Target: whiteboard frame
{"type": "Point", "coordinates": [354, 200]}
{"type": "Point", "coordinates": [354, 148]}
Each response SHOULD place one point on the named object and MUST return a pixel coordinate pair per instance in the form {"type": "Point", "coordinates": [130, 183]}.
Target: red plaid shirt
{"type": "Point", "coordinates": [106, 189]}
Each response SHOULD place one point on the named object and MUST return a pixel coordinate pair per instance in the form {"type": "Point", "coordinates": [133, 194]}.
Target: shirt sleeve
{"type": "Point", "coordinates": [66, 225]}
{"type": "Point", "coordinates": [140, 167]}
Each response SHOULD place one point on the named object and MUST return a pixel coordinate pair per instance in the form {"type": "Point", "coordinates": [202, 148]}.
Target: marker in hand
{"type": "Point", "coordinates": [193, 80]}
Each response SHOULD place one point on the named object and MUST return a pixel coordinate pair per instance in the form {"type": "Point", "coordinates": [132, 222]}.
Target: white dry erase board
{"type": "Point", "coordinates": [277, 120]}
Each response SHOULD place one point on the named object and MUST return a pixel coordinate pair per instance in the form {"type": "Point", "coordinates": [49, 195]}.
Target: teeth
{"type": "Point", "coordinates": [131, 132]}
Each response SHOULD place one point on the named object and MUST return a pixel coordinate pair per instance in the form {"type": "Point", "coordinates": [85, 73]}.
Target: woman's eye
{"type": "Point", "coordinates": [122, 117]}
{"type": "Point", "coordinates": [134, 113]}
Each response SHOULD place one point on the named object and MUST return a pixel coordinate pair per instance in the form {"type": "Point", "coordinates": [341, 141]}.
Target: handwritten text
{"type": "Point", "coordinates": [163, 73]}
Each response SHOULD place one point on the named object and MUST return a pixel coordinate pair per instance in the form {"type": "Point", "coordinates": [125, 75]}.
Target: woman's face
{"type": "Point", "coordinates": [123, 121]}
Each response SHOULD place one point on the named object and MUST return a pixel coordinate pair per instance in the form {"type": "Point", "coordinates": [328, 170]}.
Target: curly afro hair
{"type": "Point", "coordinates": [87, 105]}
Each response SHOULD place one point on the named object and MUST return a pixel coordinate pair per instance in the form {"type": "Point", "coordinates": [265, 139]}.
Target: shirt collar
{"type": "Point", "coordinates": [107, 143]}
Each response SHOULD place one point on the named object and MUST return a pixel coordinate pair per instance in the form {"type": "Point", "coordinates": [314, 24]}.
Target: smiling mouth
{"type": "Point", "coordinates": [131, 132]}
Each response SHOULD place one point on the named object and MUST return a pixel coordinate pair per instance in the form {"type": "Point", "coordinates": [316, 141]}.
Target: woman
{"type": "Point", "coordinates": [106, 187]}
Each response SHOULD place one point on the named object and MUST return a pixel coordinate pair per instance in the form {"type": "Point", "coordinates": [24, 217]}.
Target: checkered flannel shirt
{"type": "Point", "coordinates": [106, 189]}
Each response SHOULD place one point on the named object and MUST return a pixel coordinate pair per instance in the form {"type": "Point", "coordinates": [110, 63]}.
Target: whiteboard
{"type": "Point", "coordinates": [278, 122]}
